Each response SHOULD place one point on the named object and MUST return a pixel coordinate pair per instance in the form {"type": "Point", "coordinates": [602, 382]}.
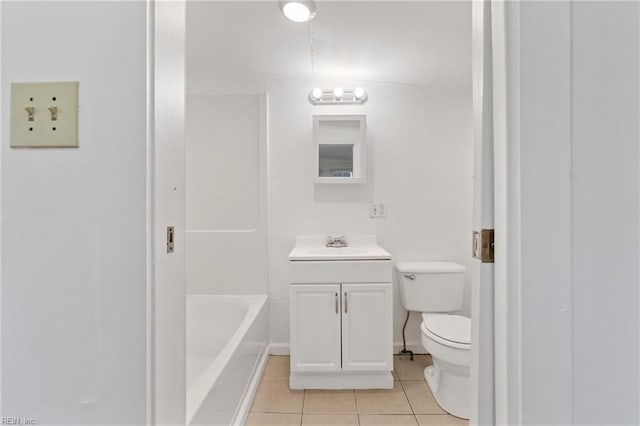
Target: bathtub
{"type": "Point", "coordinates": [226, 353]}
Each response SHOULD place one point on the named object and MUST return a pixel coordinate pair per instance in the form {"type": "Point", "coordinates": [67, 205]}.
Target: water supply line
{"type": "Point", "coordinates": [404, 339]}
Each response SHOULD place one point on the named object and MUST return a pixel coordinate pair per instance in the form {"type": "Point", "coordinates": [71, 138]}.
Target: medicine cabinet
{"type": "Point", "coordinates": [339, 148]}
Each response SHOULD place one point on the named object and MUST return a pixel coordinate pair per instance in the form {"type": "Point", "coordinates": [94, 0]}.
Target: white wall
{"type": "Point", "coordinates": [226, 182]}
{"type": "Point", "coordinates": [605, 213]}
{"type": "Point", "coordinates": [576, 108]}
{"type": "Point", "coordinates": [73, 220]}
{"type": "Point", "coordinates": [419, 152]}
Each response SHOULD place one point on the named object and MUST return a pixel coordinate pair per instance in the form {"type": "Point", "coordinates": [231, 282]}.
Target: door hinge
{"type": "Point", "coordinates": [483, 245]}
{"type": "Point", "coordinates": [170, 239]}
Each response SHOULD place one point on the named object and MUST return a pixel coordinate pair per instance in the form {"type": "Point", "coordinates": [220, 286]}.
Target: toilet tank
{"type": "Point", "coordinates": [431, 286]}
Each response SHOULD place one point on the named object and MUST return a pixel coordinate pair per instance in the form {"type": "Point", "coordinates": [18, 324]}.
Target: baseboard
{"type": "Point", "coordinates": [250, 393]}
{"type": "Point", "coordinates": [342, 380]}
{"type": "Point", "coordinates": [279, 348]}
{"type": "Point", "coordinates": [283, 348]}
{"type": "Point", "coordinates": [416, 347]}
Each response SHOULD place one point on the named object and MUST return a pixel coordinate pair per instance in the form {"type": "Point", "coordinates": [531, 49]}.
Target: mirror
{"type": "Point", "coordinates": [339, 154]}
{"type": "Point", "coordinates": [335, 160]}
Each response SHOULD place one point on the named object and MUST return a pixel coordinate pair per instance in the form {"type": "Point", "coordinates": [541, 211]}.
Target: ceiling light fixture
{"type": "Point", "coordinates": [338, 96]}
{"type": "Point", "coordinates": [298, 11]}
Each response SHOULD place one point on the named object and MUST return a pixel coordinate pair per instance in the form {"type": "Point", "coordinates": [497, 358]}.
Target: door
{"type": "Point", "coordinates": [482, 274]}
{"type": "Point", "coordinates": [315, 327]}
{"type": "Point", "coordinates": [367, 337]}
{"type": "Point", "coordinates": [166, 280]}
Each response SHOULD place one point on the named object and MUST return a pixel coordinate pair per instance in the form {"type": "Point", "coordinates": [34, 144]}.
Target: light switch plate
{"type": "Point", "coordinates": [377, 211]}
{"type": "Point", "coordinates": [44, 115]}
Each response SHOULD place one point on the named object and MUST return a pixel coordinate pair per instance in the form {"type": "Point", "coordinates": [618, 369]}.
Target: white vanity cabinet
{"type": "Point", "coordinates": [316, 342]}
{"type": "Point", "coordinates": [341, 317]}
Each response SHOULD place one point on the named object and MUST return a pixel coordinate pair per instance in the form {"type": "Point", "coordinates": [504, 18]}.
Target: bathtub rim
{"type": "Point", "coordinates": [200, 387]}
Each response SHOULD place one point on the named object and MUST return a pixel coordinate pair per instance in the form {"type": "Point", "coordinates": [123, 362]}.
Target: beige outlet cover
{"type": "Point", "coordinates": [43, 131]}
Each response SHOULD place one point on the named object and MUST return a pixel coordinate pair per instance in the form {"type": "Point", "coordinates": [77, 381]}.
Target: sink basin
{"type": "Point", "coordinates": [331, 251]}
{"type": "Point", "coordinates": [312, 248]}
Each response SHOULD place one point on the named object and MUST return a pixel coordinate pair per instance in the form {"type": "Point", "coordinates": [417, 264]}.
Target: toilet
{"type": "Point", "coordinates": [436, 289]}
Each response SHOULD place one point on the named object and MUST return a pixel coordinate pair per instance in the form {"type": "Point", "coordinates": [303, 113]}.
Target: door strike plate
{"type": "Point", "coordinates": [170, 239]}
{"type": "Point", "coordinates": [483, 245]}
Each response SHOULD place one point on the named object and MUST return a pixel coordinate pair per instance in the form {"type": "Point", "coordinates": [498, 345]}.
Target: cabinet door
{"type": "Point", "coordinates": [315, 327]}
{"type": "Point", "coordinates": [367, 319]}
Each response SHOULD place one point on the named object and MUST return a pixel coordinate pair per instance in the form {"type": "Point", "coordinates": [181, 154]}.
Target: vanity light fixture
{"type": "Point", "coordinates": [338, 96]}
{"type": "Point", "coordinates": [299, 10]}
{"type": "Point", "coordinates": [316, 93]}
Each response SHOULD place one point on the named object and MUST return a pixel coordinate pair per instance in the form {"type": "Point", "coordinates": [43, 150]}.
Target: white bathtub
{"type": "Point", "coordinates": [226, 352]}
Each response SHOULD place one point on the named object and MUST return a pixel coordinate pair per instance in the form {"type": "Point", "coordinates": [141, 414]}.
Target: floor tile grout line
{"type": "Point", "coordinates": [304, 396]}
{"type": "Point", "coordinates": [408, 400]}
{"type": "Point", "coordinates": [355, 397]}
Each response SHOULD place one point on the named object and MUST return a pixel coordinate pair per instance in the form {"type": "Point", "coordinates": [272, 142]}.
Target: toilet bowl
{"type": "Point", "coordinates": [436, 290]}
{"type": "Point", "coordinates": [448, 339]}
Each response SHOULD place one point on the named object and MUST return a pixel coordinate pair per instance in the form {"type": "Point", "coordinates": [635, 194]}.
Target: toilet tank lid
{"type": "Point", "coordinates": [422, 267]}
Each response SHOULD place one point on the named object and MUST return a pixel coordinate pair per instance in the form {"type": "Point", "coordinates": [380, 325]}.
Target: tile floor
{"type": "Point", "coordinates": [409, 402]}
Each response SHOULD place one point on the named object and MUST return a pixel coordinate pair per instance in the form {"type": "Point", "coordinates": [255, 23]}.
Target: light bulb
{"type": "Point", "coordinates": [338, 92]}
{"type": "Point", "coordinates": [358, 93]}
{"type": "Point", "coordinates": [298, 11]}
{"type": "Point", "coordinates": [316, 93]}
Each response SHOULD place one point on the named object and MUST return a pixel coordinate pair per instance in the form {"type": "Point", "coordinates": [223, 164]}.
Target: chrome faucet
{"type": "Point", "coordinates": [340, 241]}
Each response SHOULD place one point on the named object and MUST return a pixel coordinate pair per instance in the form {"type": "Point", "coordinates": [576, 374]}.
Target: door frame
{"type": "Point", "coordinates": [166, 29]}
{"type": "Point", "coordinates": [166, 287]}
{"type": "Point", "coordinates": [482, 374]}
{"type": "Point", "coordinates": [504, 35]}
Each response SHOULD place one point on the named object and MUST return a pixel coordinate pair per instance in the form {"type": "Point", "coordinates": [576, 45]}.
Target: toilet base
{"type": "Point", "coordinates": [450, 391]}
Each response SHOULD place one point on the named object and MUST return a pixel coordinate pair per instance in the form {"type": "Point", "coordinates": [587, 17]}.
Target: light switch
{"type": "Point", "coordinates": [44, 115]}
{"type": "Point", "coordinates": [377, 210]}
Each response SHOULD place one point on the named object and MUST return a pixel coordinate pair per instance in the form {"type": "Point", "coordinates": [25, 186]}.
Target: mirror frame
{"type": "Point", "coordinates": [359, 147]}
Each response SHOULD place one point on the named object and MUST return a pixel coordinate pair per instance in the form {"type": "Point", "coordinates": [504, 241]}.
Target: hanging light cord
{"type": "Point", "coordinates": [311, 50]}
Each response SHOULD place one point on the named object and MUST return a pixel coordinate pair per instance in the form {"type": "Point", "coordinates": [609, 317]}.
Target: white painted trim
{"type": "Point", "coordinates": [482, 374]}
{"type": "Point", "coordinates": [341, 380]}
{"type": "Point", "coordinates": [168, 404]}
{"type": "Point", "coordinates": [149, 397]}
{"type": "Point", "coordinates": [279, 349]}
{"type": "Point", "coordinates": [1, 221]}
{"type": "Point", "coordinates": [250, 392]}
{"type": "Point", "coordinates": [415, 347]}
{"type": "Point", "coordinates": [506, 97]}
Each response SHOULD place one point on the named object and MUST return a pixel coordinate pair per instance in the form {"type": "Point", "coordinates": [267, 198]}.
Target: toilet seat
{"type": "Point", "coordinates": [450, 330]}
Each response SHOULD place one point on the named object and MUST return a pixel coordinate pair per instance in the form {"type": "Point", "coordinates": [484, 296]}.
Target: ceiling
{"type": "Point", "coordinates": [415, 42]}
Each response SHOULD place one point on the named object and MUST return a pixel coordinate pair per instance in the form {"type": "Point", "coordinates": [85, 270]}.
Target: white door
{"type": "Point", "coordinates": [367, 337]}
{"type": "Point", "coordinates": [166, 384]}
{"type": "Point", "coordinates": [315, 327]}
{"type": "Point", "coordinates": [482, 274]}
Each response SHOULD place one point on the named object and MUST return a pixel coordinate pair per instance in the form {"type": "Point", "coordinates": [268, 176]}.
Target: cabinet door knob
{"type": "Point", "coordinates": [345, 302]}
{"type": "Point", "coordinates": [337, 309]}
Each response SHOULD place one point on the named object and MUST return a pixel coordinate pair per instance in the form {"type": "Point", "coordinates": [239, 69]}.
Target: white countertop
{"type": "Point", "coordinates": [360, 247]}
